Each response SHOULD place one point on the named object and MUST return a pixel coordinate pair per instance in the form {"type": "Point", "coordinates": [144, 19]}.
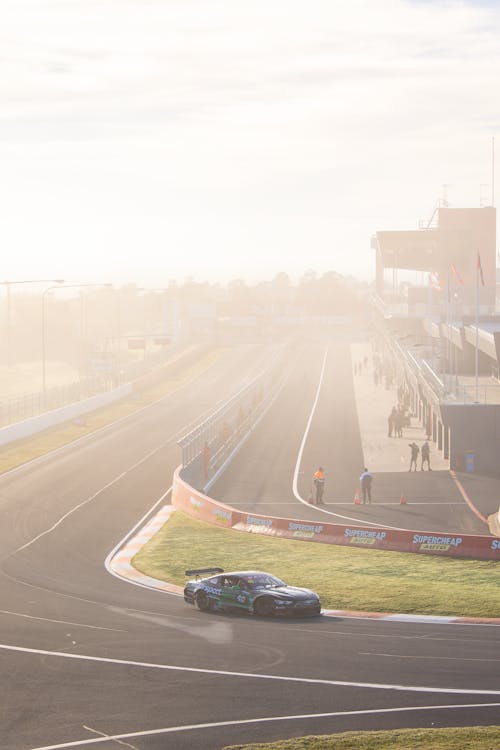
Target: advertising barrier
{"type": "Point", "coordinates": [196, 504]}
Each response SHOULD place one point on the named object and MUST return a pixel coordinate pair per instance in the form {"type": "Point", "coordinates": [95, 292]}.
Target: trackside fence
{"type": "Point", "coordinates": [196, 504]}
{"type": "Point", "coordinates": [206, 447]}
{"type": "Point", "coordinates": [27, 405]}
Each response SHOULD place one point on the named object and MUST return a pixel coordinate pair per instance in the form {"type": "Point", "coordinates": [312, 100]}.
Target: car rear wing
{"type": "Point", "coordinates": [203, 571]}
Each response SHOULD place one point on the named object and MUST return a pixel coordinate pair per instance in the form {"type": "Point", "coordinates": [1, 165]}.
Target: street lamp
{"type": "Point", "coordinates": [8, 285]}
{"type": "Point", "coordinates": [44, 295]}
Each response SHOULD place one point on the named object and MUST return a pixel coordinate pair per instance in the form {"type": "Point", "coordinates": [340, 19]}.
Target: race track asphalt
{"type": "Point", "coordinates": [260, 479]}
{"type": "Point", "coordinates": [86, 656]}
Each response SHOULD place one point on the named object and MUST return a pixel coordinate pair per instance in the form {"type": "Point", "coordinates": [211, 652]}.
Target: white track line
{"type": "Point", "coordinates": [249, 675]}
{"type": "Point", "coordinates": [88, 500]}
{"type": "Point", "coordinates": [299, 460]}
{"type": "Point", "coordinates": [262, 720]}
{"type": "Point", "coordinates": [107, 737]}
{"type": "Point", "coordinates": [427, 658]}
{"type": "Point", "coordinates": [306, 433]}
{"type": "Point", "coordinates": [59, 622]}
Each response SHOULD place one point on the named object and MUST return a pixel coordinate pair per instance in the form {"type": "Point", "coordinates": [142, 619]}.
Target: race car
{"type": "Point", "coordinates": [250, 591]}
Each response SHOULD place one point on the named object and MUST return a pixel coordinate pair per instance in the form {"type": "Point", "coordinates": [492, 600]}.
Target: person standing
{"type": "Point", "coordinates": [398, 422]}
{"type": "Point", "coordinates": [391, 422]}
{"type": "Point", "coordinates": [425, 454]}
{"type": "Point", "coordinates": [366, 486]}
{"type": "Point", "coordinates": [319, 483]}
{"type": "Point", "coordinates": [413, 455]}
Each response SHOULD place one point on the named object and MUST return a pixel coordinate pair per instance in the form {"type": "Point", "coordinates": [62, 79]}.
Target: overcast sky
{"type": "Point", "coordinates": [144, 140]}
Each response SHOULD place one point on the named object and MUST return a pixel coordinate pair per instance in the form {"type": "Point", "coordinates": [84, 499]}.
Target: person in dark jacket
{"type": "Point", "coordinates": [413, 455]}
{"type": "Point", "coordinates": [391, 422]}
{"type": "Point", "coordinates": [366, 486]}
{"type": "Point", "coordinates": [425, 454]}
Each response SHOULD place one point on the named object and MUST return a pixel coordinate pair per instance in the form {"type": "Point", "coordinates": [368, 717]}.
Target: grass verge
{"type": "Point", "coordinates": [465, 738]}
{"type": "Point", "coordinates": [22, 451]}
{"type": "Point", "coordinates": [355, 579]}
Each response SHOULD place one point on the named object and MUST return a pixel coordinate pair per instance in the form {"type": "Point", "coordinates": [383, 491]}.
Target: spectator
{"type": "Point", "coordinates": [391, 422]}
{"type": "Point", "coordinates": [319, 483]}
{"type": "Point", "coordinates": [366, 486]}
{"type": "Point", "coordinates": [414, 455]}
{"type": "Point", "coordinates": [426, 456]}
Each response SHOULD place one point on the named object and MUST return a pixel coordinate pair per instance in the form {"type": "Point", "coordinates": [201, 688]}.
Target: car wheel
{"type": "Point", "coordinates": [264, 607]}
{"type": "Point", "coordinates": [202, 601]}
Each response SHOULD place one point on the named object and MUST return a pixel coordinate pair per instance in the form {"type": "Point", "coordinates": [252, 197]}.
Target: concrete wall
{"type": "Point", "coordinates": [31, 426]}
{"type": "Point", "coordinates": [475, 428]}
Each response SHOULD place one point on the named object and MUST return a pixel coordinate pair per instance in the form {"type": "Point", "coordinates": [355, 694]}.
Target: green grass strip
{"type": "Point", "coordinates": [355, 579]}
{"type": "Point", "coordinates": [459, 738]}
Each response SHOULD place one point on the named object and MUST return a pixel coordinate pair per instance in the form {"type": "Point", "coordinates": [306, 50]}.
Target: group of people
{"type": "Point", "coordinates": [365, 479]}
{"type": "Point", "coordinates": [425, 454]}
{"type": "Point", "coordinates": [358, 366]}
{"type": "Point", "coordinates": [396, 420]}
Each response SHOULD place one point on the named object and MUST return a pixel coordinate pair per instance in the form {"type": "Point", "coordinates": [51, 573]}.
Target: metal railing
{"type": "Point", "coordinates": [470, 394]}
{"type": "Point", "coordinates": [26, 405]}
{"type": "Point", "coordinates": [206, 446]}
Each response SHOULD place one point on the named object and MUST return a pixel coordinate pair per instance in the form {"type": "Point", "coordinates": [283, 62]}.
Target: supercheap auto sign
{"type": "Point", "coordinates": [434, 543]}
{"type": "Point", "coordinates": [194, 502]}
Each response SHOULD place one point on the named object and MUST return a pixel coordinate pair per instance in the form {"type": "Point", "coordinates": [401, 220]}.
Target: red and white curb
{"type": "Point", "coordinates": [120, 565]}
{"type": "Point", "coordinates": [426, 619]}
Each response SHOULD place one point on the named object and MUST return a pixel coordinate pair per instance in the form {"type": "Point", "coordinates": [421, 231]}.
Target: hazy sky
{"type": "Point", "coordinates": [154, 139]}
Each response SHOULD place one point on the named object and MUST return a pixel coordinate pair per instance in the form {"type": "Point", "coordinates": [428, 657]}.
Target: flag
{"type": "Point", "coordinates": [480, 269]}
{"type": "Point", "coordinates": [457, 275]}
{"type": "Point", "coordinates": [434, 281]}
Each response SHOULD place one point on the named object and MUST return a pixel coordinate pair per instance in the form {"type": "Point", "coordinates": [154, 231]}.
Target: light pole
{"type": "Point", "coordinates": [44, 295]}
{"type": "Point", "coordinates": [7, 285]}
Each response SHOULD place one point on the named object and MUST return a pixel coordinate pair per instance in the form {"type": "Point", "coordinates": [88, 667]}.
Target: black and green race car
{"type": "Point", "coordinates": [250, 591]}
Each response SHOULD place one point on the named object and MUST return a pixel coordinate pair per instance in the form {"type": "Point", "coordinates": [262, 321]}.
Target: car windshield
{"type": "Point", "coordinates": [262, 581]}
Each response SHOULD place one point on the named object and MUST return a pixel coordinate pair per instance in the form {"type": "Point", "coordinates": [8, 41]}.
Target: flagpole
{"type": "Point", "coordinates": [450, 346]}
{"type": "Point", "coordinates": [493, 171]}
{"type": "Point", "coordinates": [477, 328]}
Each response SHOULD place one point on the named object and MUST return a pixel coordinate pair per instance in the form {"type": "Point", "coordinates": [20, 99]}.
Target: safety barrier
{"type": "Point", "coordinates": [207, 446]}
{"type": "Point", "coordinates": [79, 408]}
{"type": "Point", "coordinates": [196, 504]}
{"type": "Point", "coordinates": [494, 523]}
{"type": "Point", "coordinates": [32, 426]}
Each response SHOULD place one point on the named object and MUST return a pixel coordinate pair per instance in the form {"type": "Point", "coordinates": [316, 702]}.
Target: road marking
{"type": "Point", "coordinates": [249, 675]}
{"type": "Point", "coordinates": [306, 432]}
{"type": "Point", "coordinates": [396, 636]}
{"type": "Point", "coordinates": [299, 460]}
{"type": "Point", "coordinates": [107, 737]}
{"type": "Point", "coordinates": [109, 559]}
{"type": "Point", "coordinates": [263, 720]}
{"type": "Point", "coordinates": [88, 499]}
{"type": "Point", "coordinates": [467, 499]}
{"type": "Point", "coordinates": [60, 622]}
{"type": "Point", "coordinates": [434, 658]}
{"type": "Point", "coordinates": [349, 502]}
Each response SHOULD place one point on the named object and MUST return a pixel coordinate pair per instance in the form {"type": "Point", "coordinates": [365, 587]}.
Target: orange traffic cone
{"type": "Point", "coordinates": [402, 500]}
{"type": "Point", "coordinates": [357, 499]}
